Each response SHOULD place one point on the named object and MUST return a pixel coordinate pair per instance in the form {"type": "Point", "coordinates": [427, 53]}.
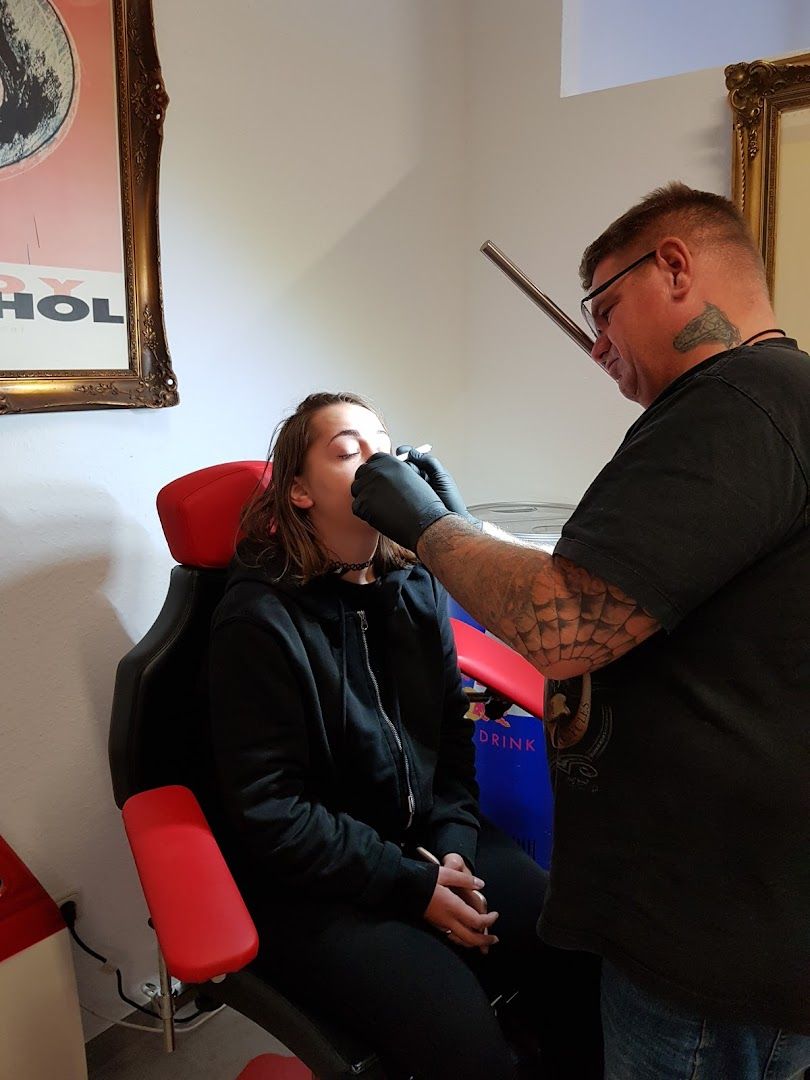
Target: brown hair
{"type": "Point", "coordinates": [701, 215]}
{"type": "Point", "coordinates": [273, 526]}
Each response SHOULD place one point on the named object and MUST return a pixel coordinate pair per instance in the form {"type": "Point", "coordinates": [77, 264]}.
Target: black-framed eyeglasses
{"type": "Point", "coordinates": [587, 314]}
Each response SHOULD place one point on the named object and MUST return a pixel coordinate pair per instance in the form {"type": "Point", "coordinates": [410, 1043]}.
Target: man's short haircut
{"type": "Point", "coordinates": [679, 210]}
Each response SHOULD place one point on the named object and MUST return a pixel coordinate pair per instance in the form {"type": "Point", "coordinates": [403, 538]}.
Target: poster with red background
{"type": "Point", "coordinates": [62, 287]}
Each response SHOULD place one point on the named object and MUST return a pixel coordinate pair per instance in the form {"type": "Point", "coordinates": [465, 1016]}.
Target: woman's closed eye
{"type": "Point", "coordinates": [383, 448]}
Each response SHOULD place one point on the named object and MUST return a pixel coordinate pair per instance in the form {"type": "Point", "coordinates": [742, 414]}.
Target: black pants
{"type": "Point", "coordinates": [422, 1003]}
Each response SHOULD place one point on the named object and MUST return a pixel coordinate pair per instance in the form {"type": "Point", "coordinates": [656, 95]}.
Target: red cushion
{"type": "Point", "coordinates": [498, 667]}
{"type": "Point", "coordinates": [200, 919]}
{"type": "Point", "coordinates": [275, 1067]}
{"type": "Point", "coordinates": [27, 913]}
{"type": "Point", "coordinates": [200, 512]}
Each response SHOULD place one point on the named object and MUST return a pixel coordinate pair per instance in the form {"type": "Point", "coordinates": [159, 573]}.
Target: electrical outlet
{"type": "Point", "coordinates": [63, 898]}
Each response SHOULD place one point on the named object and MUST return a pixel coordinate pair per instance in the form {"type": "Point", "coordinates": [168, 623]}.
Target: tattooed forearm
{"type": "Point", "coordinates": [560, 617]}
{"type": "Point", "coordinates": [711, 325]}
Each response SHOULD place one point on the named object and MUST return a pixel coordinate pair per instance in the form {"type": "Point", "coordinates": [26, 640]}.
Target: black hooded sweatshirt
{"type": "Point", "coordinates": [340, 737]}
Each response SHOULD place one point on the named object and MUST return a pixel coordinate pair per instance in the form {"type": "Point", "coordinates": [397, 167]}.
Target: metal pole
{"type": "Point", "coordinates": [166, 1005]}
{"type": "Point", "coordinates": [557, 315]}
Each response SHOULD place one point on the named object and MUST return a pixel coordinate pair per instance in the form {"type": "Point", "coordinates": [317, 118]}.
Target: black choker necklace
{"type": "Point", "coordinates": [773, 330]}
{"type": "Point", "coordinates": [344, 567]}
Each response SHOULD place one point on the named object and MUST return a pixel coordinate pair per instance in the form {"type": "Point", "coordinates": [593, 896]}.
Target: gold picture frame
{"type": "Point", "coordinates": [770, 102]}
{"type": "Point", "coordinates": [68, 345]}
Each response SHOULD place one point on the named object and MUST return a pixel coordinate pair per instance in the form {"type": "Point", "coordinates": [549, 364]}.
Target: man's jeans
{"type": "Point", "coordinates": [649, 1039]}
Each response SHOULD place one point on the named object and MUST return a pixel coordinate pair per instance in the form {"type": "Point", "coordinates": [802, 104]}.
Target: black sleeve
{"type": "Point", "coordinates": [454, 821]}
{"type": "Point", "coordinates": [699, 490]}
{"type": "Point", "coordinates": [262, 750]}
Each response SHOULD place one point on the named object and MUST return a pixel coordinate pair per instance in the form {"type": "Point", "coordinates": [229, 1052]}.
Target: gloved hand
{"type": "Point", "coordinates": [393, 498]}
{"type": "Point", "coordinates": [432, 470]}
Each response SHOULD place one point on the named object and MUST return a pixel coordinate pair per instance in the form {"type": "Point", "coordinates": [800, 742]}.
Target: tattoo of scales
{"type": "Point", "coordinates": [564, 620]}
{"type": "Point", "coordinates": [711, 325]}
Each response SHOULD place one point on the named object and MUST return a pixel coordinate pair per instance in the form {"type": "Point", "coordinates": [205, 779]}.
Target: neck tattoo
{"type": "Point", "coordinates": [714, 325]}
{"type": "Point", "coordinates": [711, 325]}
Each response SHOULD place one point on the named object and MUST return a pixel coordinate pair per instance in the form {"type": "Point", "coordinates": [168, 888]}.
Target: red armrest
{"type": "Point", "coordinates": [498, 667]}
{"type": "Point", "coordinates": [201, 922]}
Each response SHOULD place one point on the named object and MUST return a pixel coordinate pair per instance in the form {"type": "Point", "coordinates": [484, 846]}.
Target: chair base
{"type": "Point", "coordinates": [330, 1053]}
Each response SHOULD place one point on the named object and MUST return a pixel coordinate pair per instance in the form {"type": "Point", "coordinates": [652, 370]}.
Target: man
{"type": "Point", "coordinates": [673, 626]}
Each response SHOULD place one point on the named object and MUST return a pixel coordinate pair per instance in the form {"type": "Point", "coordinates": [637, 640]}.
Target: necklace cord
{"type": "Point", "coordinates": [772, 330]}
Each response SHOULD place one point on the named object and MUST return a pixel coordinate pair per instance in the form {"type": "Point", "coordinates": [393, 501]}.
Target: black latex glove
{"type": "Point", "coordinates": [432, 470]}
{"type": "Point", "coordinates": [393, 498]}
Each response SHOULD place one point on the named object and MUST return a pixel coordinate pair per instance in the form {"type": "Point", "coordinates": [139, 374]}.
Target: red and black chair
{"type": "Point", "coordinates": [162, 771]}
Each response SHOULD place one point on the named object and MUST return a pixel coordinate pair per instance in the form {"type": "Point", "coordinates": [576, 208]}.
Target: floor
{"type": "Point", "coordinates": [219, 1050]}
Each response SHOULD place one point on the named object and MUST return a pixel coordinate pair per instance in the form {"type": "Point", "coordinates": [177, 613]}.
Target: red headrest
{"type": "Point", "coordinates": [200, 512]}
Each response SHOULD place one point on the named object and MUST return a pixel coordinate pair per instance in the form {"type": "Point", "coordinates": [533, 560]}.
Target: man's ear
{"type": "Point", "coordinates": [675, 258]}
{"type": "Point", "coordinates": [299, 496]}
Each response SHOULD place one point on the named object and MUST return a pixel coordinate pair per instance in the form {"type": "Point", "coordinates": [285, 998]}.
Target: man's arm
{"type": "Point", "coordinates": [562, 619]}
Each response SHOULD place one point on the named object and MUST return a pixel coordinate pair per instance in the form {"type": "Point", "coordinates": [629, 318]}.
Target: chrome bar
{"type": "Point", "coordinates": [166, 1004]}
{"type": "Point", "coordinates": [557, 315]}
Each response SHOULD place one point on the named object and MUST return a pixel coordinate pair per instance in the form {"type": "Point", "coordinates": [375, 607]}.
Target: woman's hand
{"type": "Point", "coordinates": [473, 897]}
{"type": "Point", "coordinates": [449, 912]}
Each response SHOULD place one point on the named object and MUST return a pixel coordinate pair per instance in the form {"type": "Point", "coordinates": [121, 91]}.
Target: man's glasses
{"type": "Point", "coordinates": [587, 313]}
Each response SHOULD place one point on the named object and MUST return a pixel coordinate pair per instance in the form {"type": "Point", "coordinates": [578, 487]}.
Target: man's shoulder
{"type": "Point", "coordinates": [771, 368]}
{"type": "Point", "coordinates": [773, 378]}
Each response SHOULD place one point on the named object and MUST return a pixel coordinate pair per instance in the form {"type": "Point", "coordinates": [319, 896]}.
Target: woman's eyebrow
{"type": "Point", "coordinates": [353, 432]}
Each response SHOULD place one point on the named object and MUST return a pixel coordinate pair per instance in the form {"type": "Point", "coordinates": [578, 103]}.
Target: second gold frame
{"type": "Point", "coordinates": [770, 101]}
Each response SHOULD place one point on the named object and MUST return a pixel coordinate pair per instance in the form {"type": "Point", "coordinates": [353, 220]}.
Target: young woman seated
{"type": "Point", "coordinates": [342, 748]}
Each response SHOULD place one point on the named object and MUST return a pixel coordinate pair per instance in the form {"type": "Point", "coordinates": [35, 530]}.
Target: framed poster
{"type": "Point", "coordinates": [82, 104]}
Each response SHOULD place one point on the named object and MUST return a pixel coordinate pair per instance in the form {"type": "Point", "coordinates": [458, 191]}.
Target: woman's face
{"type": "Point", "coordinates": [345, 436]}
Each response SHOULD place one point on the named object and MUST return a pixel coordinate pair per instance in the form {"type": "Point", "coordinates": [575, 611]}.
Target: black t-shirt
{"type": "Point", "coordinates": [681, 813]}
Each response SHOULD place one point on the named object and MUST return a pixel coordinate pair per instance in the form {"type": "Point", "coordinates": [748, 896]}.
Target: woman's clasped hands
{"type": "Point", "coordinates": [457, 907]}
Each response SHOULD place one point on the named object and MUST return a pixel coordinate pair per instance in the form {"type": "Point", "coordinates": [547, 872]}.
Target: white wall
{"type": "Point", "coordinates": [546, 175]}
{"type": "Point", "coordinates": [310, 240]}
{"type": "Point", "coordinates": [329, 172]}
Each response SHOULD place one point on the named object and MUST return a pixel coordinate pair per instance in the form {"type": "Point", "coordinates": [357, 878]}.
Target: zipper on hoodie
{"type": "Point", "coordinates": [361, 615]}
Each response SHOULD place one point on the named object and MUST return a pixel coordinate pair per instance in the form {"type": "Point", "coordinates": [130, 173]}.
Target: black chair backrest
{"type": "Point", "coordinates": [160, 730]}
{"type": "Point", "coordinates": [160, 718]}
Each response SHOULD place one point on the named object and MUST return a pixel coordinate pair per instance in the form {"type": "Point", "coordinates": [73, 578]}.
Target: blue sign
{"type": "Point", "coordinates": [512, 769]}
